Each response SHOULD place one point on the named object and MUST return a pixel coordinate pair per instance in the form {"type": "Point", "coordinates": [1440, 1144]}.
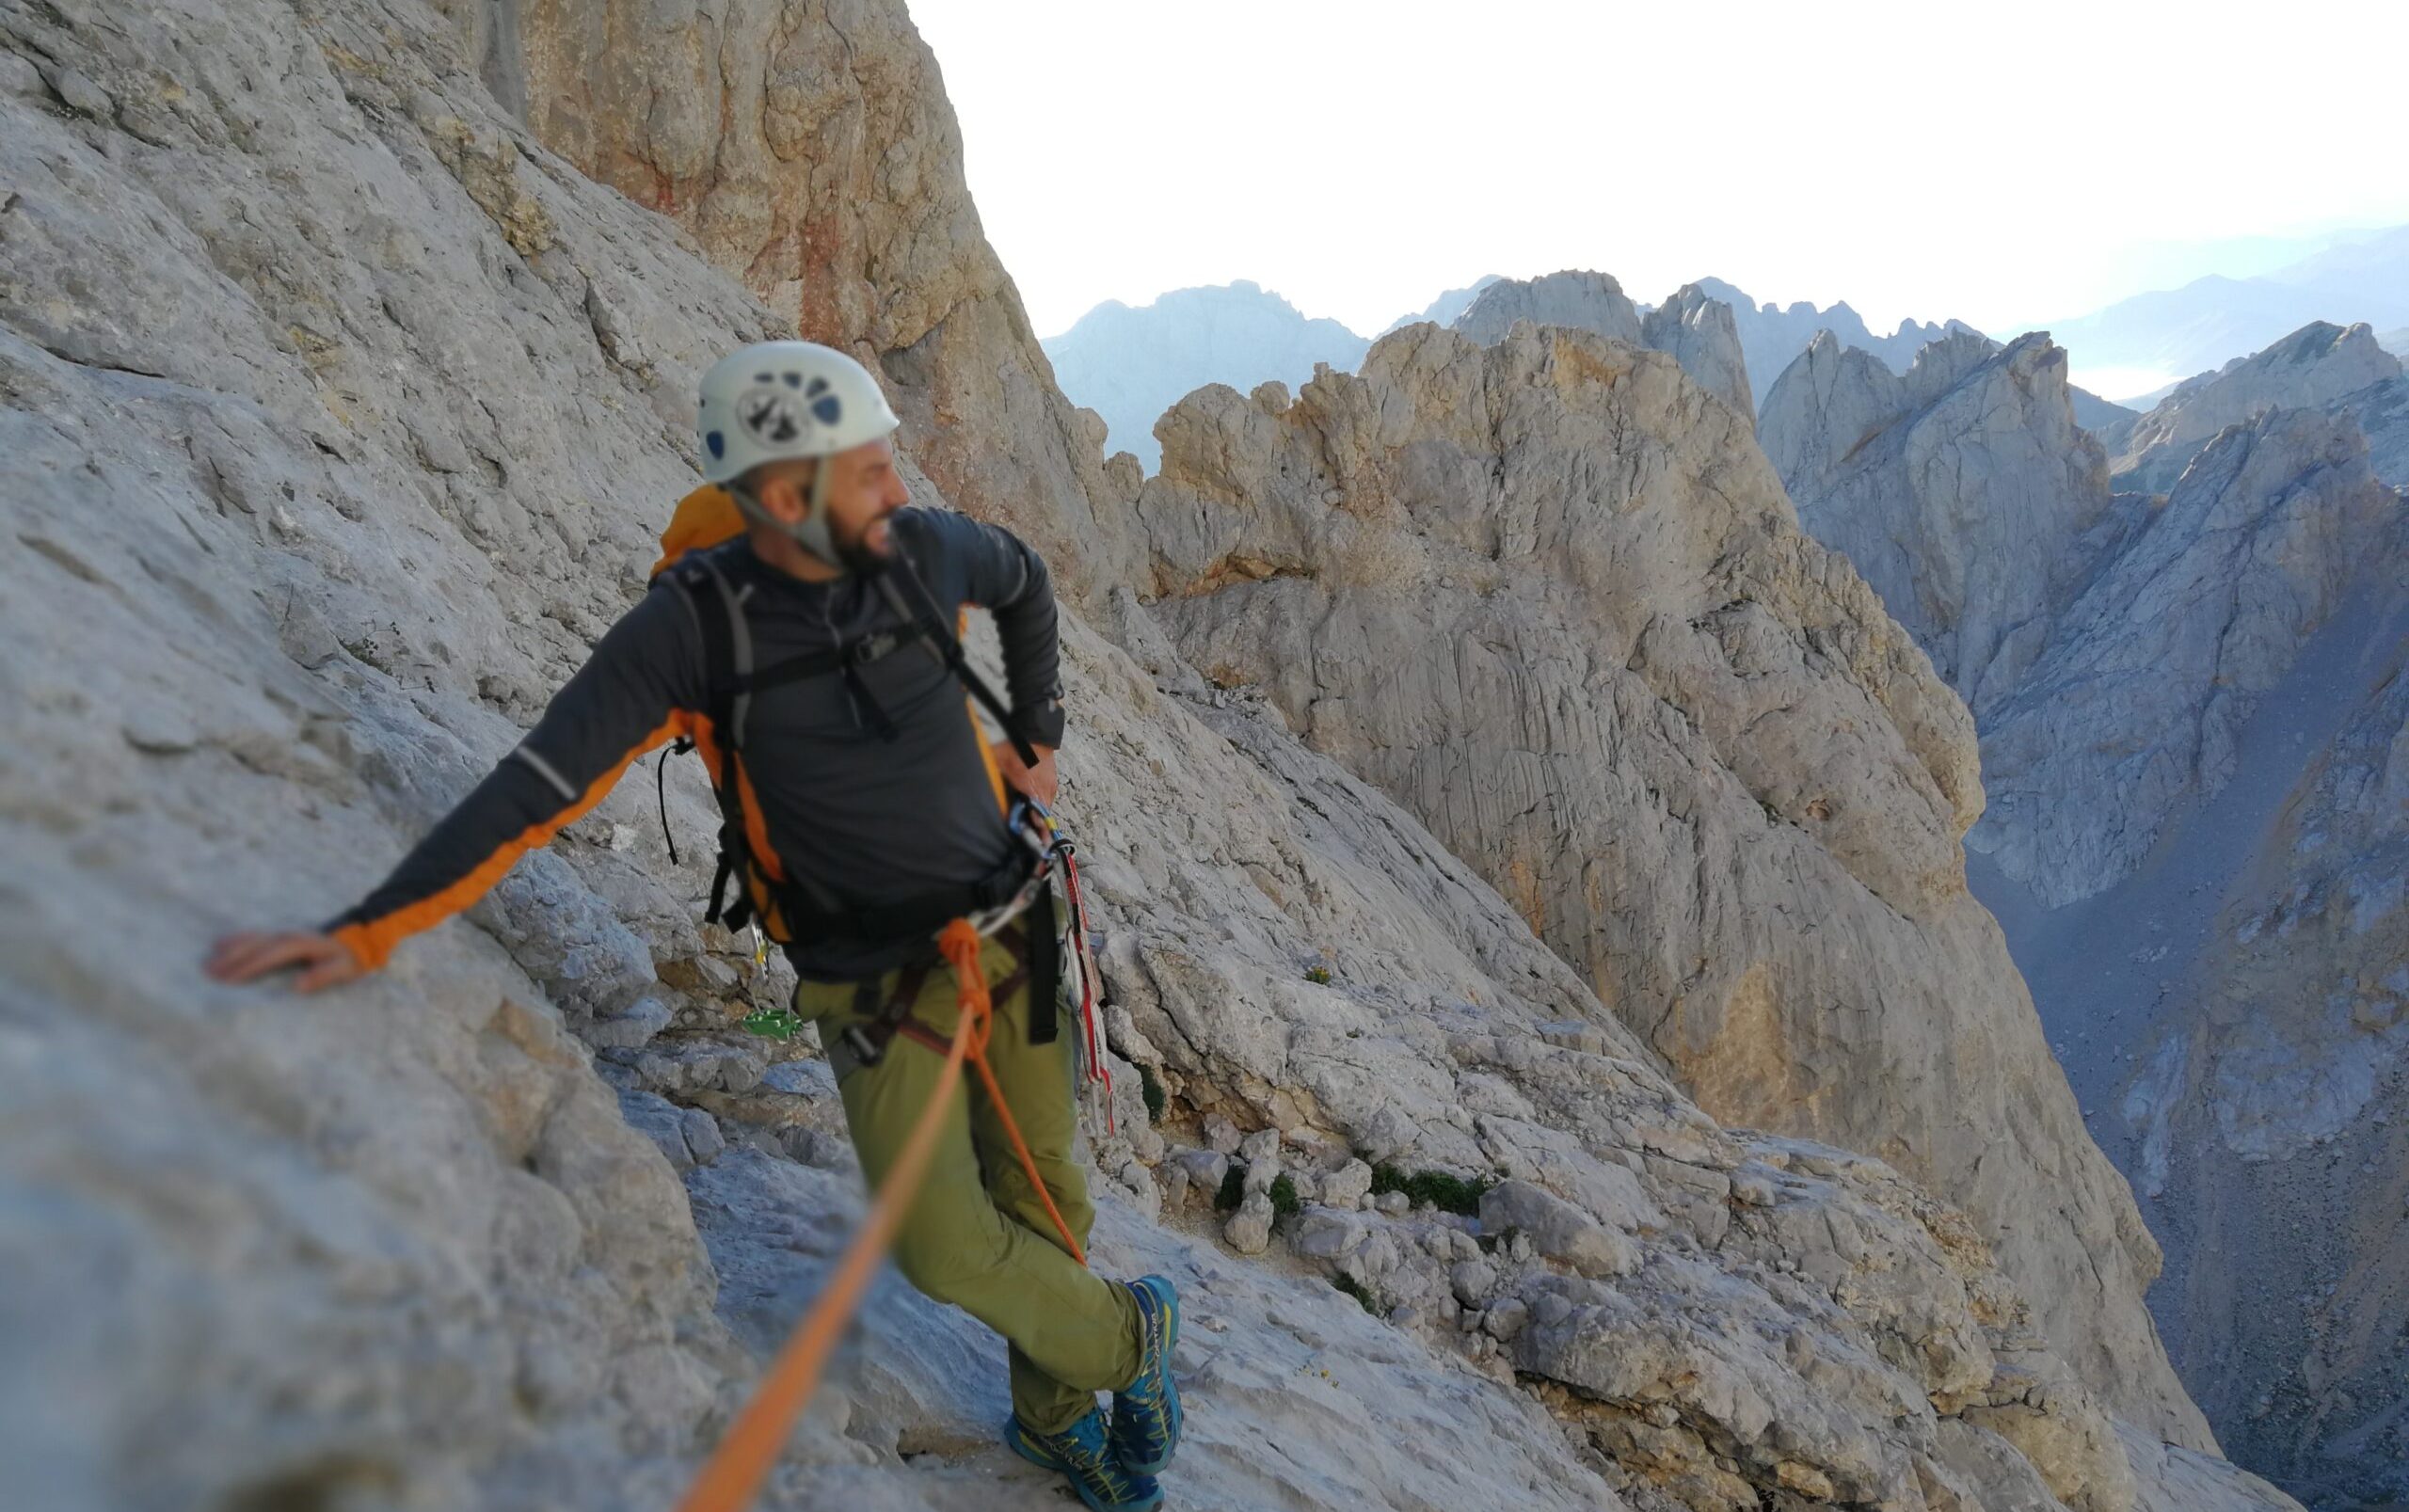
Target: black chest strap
{"type": "Point", "coordinates": [805, 907]}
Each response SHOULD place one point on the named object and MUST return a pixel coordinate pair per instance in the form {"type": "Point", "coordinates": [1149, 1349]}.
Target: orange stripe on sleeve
{"type": "Point", "coordinates": [371, 941]}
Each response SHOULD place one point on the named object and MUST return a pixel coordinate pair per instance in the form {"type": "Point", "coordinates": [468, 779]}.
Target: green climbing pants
{"type": "Point", "coordinates": [978, 1236]}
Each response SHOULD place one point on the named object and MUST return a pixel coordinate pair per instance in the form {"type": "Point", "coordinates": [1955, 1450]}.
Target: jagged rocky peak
{"type": "Point", "coordinates": [1564, 615]}
{"type": "Point", "coordinates": [2311, 369]}
{"type": "Point", "coordinates": [1692, 325]}
{"type": "Point", "coordinates": [1963, 492]}
{"type": "Point", "coordinates": [1699, 331]}
{"type": "Point", "coordinates": [1825, 403]}
{"type": "Point", "coordinates": [2131, 710]}
{"type": "Point", "coordinates": [1941, 363]}
{"type": "Point", "coordinates": [1774, 337]}
{"type": "Point", "coordinates": [1579, 299]}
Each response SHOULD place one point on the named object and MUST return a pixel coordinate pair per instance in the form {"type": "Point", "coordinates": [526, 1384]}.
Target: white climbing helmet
{"type": "Point", "coordinates": [782, 401]}
{"type": "Point", "coordinates": [775, 400]}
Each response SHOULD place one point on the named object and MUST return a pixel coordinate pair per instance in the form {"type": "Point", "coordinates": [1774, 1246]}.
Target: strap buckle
{"type": "Point", "coordinates": [864, 1050]}
{"type": "Point", "coordinates": [871, 648]}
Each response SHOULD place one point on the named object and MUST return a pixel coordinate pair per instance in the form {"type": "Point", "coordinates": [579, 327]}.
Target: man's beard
{"type": "Point", "coordinates": [858, 556]}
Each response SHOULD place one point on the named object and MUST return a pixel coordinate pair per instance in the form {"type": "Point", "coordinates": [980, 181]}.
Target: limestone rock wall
{"type": "Point", "coordinates": [2136, 704]}
{"type": "Point", "coordinates": [1550, 596]}
{"type": "Point", "coordinates": [2292, 1148]}
{"type": "Point", "coordinates": [334, 417]}
{"type": "Point", "coordinates": [2176, 673]}
{"type": "Point", "coordinates": [811, 153]}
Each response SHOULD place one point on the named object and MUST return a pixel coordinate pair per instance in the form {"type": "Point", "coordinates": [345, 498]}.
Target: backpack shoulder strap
{"type": "Point", "coordinates": [727, 645]}
{"type": "Point", "coordinates": [939, 637]}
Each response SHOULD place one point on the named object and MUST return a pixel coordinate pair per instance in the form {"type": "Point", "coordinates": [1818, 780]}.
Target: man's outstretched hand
{"type": "Point", "coordinates": [324, 961]}
{"type": "Point", "coordinates": [1038, 781]}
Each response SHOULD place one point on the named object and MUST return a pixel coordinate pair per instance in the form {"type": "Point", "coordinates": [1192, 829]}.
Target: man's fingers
{"type": "Point", "coordinates": [237, 957]}
{"type": "Point", "coordinates": [246, 956]}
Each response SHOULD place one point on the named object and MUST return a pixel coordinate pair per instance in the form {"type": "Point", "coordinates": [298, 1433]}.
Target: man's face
{"type": "Point", "coordinates": [864, 488]}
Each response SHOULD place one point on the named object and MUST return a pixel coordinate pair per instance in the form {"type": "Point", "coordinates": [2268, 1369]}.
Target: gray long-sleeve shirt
{"type": "Point", "coordinates": [871, 820]}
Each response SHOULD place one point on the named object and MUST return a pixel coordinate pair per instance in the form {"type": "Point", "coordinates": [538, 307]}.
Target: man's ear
{"type": "Point", "coordinates": [785, 493]}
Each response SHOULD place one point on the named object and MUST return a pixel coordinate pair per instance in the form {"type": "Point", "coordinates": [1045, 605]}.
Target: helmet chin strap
{"type": "Point", "coordinates": [811, 533]}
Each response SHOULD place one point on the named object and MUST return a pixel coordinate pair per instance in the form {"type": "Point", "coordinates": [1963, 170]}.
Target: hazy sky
{"type": "Point", "coordinates": [1999, 164]}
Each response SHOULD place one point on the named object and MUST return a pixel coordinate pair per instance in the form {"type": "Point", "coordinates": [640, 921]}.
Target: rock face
{"type": "Point", "coordinates": [2234, 1009]}
{"type": "Point", "coordinates": [1962, 492]}
{"type": "Point", "coordinates": [1550, 596]}
{"type": "Point", "coordinates": [2166, 741]}
{"type": "Point", "coordinates": [2382, 412]}
{"type": "Point", "coordinates": [2106, 676]}
{"type": "Point", "coordinates": [1130, 365]}
{"type": "Point", "coordinates": [2133, 708]}
{"type": "Point", "coordinates": [2310, 369]}
{"type": "Point", "coordinates": [819, 161]}
{"type": "Point", "coordinates": [2277, 1102]}
{"type": "Point", "coordinates": [1579, 301]}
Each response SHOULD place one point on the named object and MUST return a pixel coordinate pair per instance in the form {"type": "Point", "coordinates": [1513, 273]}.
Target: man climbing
{"type": "Point", "coordinates": [812, 657]}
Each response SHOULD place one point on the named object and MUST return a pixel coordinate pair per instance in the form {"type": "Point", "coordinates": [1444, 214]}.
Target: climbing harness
{"type": "Point", "coordinates": [744, 1459]}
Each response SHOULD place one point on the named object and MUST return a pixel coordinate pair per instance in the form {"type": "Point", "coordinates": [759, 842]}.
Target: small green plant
{"type": "Point", "coordinates": [1284, 1203]}
{"type": "Point", "coordinates": [1152, 1089]}
{"type": "Point", "coordinates": [1233, 1191]}
{"type": "Point", "coordinates": [1319, 976]}
{"type": "Point", "coordinates": [1449, 1193]}
{"type": "Point", "coordinates": [773, 1024]}
{"type": "Point", "coordinates": [1355, 1289]}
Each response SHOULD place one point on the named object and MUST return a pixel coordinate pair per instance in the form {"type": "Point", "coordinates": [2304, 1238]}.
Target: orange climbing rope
{"type": "Point", "coordinates": [733, 1475]}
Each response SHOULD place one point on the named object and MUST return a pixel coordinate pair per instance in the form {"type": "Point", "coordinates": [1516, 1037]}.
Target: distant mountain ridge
{"type": "Point", "coordinates": [1130, 364]}
{"type": "Point", "coordinates": [2212, 319]}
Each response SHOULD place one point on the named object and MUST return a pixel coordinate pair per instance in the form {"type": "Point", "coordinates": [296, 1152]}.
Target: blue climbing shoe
{"type": "Point", "coordinates": [1084, 1453]}
{"type": "Point", "coordinates": [1145, 1413]}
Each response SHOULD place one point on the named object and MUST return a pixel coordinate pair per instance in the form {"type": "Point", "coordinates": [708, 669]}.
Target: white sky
{"type": "Point", "coordinates": [2002, 164]}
